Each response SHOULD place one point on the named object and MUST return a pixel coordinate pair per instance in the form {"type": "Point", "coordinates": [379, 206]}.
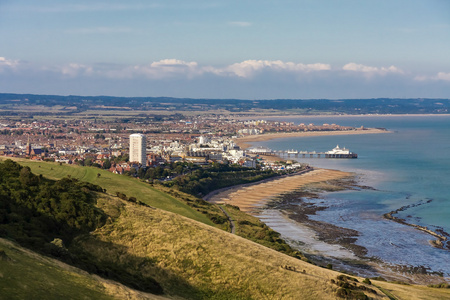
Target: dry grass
{"type": "Point", "coordinates": [413, 292]}
{"type": "Point", "coordinates": [193, 260]}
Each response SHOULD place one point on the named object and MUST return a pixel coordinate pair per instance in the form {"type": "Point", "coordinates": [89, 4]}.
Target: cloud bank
{"type": "Point", "coordinates": [249, 79]}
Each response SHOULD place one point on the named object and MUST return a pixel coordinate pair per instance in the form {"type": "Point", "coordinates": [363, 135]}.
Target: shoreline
{"type": "Point", "coordinates": [254, 197]}
{"type": "Point", "coordinates": [322, 242]}
{"type": "Point", "coordinates": [441, 241]}
{"type": "Point", "coordinates": [415, 274]}
{"type": "Point", "coordinates": [245, 142]}
{"type": "Point", "coordinates": [262, 115]}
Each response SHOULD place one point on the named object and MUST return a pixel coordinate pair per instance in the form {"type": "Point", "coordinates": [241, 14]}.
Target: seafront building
{"type": "Point", "coordinates": [138, 144]}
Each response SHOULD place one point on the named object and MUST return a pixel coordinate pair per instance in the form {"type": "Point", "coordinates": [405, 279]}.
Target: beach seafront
{"type": "Point", "coordinates": [257, 198]}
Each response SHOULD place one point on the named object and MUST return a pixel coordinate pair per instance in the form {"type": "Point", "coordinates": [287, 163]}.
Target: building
{"type": "Point", "coordinates": [138, 144]}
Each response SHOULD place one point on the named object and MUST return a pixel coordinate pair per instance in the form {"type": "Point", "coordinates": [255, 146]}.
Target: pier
{"type": "Point", "coordinates": [337, 152]}
{"type": "Point", "coordinates": [314, 154]}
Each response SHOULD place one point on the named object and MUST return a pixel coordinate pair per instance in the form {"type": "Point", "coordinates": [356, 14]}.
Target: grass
{"type": "Point", "coordinates": [117, 183]}
{"type": "Point", "coordinates": [253, 229]}
{"type": "Point", "coordinates": [26, 275]}
{"type": "Point", "coordinates": [189, 259]}
{"type": "Point", "coordinates": [196, 261]}
{"type": "Point", "coordinates": [412, 292]}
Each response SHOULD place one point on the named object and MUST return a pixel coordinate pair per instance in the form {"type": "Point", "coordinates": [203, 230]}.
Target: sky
{"type": "Point", "coordinates": [246, 49]}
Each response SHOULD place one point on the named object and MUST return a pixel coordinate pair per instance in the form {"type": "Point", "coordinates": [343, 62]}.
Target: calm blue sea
{"type": "Point", "coordinates": [409, 166]}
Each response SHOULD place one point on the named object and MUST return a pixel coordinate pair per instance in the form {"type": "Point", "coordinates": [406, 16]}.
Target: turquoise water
{"type": "Point", "coordinates": [409, 166]}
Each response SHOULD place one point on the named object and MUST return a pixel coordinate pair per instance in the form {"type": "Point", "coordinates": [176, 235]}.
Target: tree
{"type": "Point", "coordinates": [107, 164]}
{"type": "Point", "coordinates": [88, 162]}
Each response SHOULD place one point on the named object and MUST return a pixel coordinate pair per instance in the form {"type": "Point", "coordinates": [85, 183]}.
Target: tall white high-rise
{"type": "Point", "coordinates": [138, 144]}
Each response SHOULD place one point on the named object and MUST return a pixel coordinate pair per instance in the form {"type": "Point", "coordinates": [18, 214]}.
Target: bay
{"type": "Point", "coordinates": [408, 167]}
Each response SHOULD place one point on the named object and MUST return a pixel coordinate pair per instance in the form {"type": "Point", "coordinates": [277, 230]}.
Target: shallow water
{"type": "Point", "coordinates": [408, 166]}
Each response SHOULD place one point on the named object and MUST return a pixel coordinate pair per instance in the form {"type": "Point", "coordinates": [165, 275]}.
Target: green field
{"type": "Point", "coordinates": [113, 183]}
{"type": "Point", "coordinates": [27, 275]}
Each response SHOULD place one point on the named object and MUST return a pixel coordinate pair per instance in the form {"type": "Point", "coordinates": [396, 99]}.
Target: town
{"type": "Point", "coordinates": [157, 141]}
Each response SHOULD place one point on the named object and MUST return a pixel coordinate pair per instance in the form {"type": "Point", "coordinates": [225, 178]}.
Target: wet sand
{"type": "Point", "coordinates": [254, 197]}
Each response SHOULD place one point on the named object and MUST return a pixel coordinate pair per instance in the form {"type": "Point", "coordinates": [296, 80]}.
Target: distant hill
{"type": "Point", "coordinates": [76, 104]}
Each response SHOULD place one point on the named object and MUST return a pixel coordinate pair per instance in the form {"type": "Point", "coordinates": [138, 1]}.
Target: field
{"type": "Point", "coordinates": [116, 183]}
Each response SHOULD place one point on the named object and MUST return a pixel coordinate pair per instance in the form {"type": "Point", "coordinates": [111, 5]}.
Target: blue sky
{"type": "Point", "coordinates": [227, 49]}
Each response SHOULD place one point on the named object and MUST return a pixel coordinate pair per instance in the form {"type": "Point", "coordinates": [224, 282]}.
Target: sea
{"type": "Point", "coordinates": [408, 167]}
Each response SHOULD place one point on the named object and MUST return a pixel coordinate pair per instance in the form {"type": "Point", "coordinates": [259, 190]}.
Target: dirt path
{"type": "Point", "coordinates": [232, 225]}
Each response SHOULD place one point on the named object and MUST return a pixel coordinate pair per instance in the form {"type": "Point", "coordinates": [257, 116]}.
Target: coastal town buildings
{"type": "Point", "coordinates": [138, 145]}
{"type": "Point", "coordinates": [121, 145]}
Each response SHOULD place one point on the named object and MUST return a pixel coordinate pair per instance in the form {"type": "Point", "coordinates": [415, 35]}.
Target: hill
{"type": "Point", "coordinates": [35, 105]}
{"type": "Point", "coordinates": [24, 274]}
{"type": "Point", "coordinates": [195, 261]}
{"type": "Point", "coordinates": [114, 183]}
{"type": "Point", "coordinates": [190, 259]}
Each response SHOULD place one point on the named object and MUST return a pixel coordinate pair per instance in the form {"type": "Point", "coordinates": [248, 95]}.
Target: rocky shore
{"type": "Point", "coordinates": [297, 208]}
{"type": "Point", "coordinates": [441, 241]}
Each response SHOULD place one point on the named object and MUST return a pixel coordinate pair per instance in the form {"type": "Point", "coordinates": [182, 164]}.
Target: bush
{"type": "Point", "coordinates": [442, 285]}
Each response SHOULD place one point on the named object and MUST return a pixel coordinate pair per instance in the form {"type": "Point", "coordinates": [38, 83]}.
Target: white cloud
{"type": "Point", "coordinates": [165, 68]}
{"type": "Point", "coordinates": [73, 70]}
{"type": "Point", "coordinates": [369, 70]}
{"type": "Point", "coordinates": [249, 67]}
{"type": "Point", "coordinates": [443, 76]}
{"type": "Point", "coordinates": [240, 24]}
{"type": "Point", "coordinates": [8, 63]}
{"type": "Point", "coordinates": [168, 68]}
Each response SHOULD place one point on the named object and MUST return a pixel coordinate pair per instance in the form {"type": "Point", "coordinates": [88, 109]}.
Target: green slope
{"type": "Point", "coordinates": [116, 183]}
{"type": "Point", "coordinates": [27, 275]}
{"type": "Point", "coordinates": [24, 274]}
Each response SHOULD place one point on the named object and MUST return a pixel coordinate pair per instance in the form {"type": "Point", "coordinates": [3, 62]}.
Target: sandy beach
{"type": "Point", "coordinates": [245, 142]}
{"type": "Point", "coordinates": [252, 197]}
{"type": "Point", "coordinates": [256, 195]}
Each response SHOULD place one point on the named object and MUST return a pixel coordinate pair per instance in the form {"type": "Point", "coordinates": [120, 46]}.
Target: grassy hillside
{"type": "Point", "coordinates": [188, 258]}
{"type": "Point", "coordinates": [166, 199]}
{"type": "Point", "coordinates": [117, 183]}
{"type": "Point", "coordinates": [196, 261]}
{"type": "Point", "coordinates": [27, 275]}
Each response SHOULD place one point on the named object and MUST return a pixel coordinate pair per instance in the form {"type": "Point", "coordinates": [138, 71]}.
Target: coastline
{"type": "Point", "coordinates": [335, 116]}
{"type": "Point", "coordinates": [279, 205]}
{"type": "Point", "coordinates": [245, 142]}
{"type": "Point", "coordinates": [441, 241]}
{"type": "Point", "coordinates": [395, 272]}
{"type": "Point", "coordinates": [254, 197]}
